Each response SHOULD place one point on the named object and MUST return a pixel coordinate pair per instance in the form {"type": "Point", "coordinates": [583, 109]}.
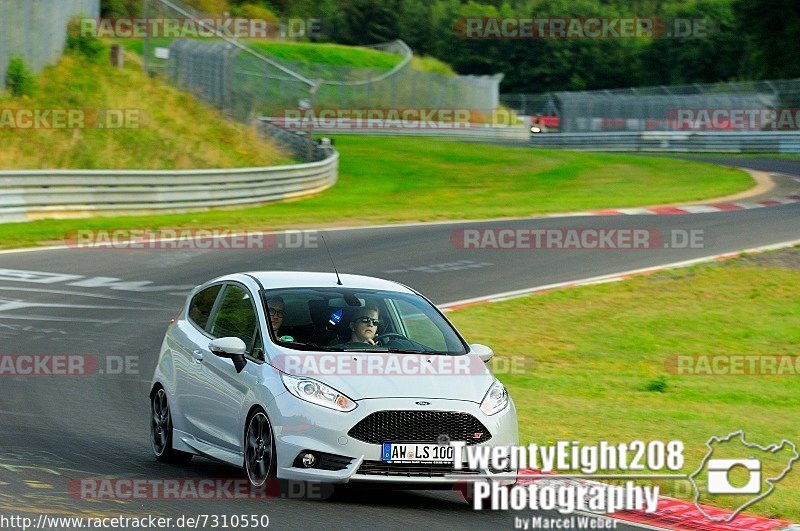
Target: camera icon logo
{"type": "Point", "coordinates": [719, 471]}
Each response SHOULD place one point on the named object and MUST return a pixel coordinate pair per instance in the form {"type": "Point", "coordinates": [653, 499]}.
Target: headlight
{"type": "Point", "coordinates": [317, 393]}
{"type": "Point", "coordinates": [495, 400]}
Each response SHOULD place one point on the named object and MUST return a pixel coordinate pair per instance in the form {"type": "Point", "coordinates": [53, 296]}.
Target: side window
{"type": "Point", "coordinates": [236, 316]}
{"type": "Point", "coordinates": [201, 305]}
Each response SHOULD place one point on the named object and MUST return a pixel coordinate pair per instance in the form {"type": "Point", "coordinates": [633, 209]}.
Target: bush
{"type": "Point", "coordinates": [87, 45]}
{"type": "Point", "coordinates": [19, 78]}
{"type": "Point", "coordinates": [657, 385]}
{"type": "Point", "coordinates": [120, 8]}
{"type": "Point", "coordinates": [253, 11]}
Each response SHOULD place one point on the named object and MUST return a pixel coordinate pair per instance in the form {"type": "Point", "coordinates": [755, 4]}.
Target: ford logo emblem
{"type": "Point", "coordinates": [423, 403]}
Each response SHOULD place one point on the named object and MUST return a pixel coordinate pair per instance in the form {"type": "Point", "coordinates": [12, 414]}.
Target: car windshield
{"type": "Point", "coordinates": [347, 319]}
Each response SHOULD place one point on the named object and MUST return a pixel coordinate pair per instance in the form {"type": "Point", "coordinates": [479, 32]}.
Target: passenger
{"type": "Point", "coordinates": [364, 326]}
{"type": "Point", "coordinates": [277, 312]}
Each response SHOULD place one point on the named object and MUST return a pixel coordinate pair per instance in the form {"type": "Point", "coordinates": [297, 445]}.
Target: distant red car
{"type": "Point", "coordinates": [544, 124]}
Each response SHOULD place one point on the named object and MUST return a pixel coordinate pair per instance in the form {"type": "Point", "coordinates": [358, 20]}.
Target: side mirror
{"type": "Point", "coordinates": [230, 347]}
{"type": "Point", "coordinates": [482, 351]}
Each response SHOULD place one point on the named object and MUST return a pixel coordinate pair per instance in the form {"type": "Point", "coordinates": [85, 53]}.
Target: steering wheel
{"type": "Point", "coordinates": [391, 335]}
{"type": "Point", "coordinates": [387, 338]}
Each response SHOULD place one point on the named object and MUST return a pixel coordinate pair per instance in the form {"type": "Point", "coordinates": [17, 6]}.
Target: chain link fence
{"type": "Point", "coordinates": [750, 105]}
{"type": "Point", "coordinates": [530, 104]}
{"type": "Point", "coordinates": [246, 82]}
{"type": "Point", "coordinates": [36, 30]}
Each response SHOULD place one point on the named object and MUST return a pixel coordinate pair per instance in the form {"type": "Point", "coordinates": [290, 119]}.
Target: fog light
{"type": "Point", "coordinates": [309, 460]}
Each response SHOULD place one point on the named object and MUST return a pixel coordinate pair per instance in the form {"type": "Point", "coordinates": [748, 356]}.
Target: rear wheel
{"type": "Point", "coordinates": [259, 450]}
{"type": "Point", "coordinates": [161, 431]}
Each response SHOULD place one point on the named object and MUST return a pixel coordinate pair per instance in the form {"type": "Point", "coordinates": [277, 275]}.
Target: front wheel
{"type": "Point", "coordinates": [161, 431]}
{"type": "Point", "coordinates": [259, 450]}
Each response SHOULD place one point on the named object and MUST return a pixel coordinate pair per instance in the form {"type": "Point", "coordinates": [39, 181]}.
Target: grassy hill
{"type": "Point", "coordinates": [341, 55]}
{"type": "Point", "coordinates": [175, 131]}
{"type": "Point", "coordinates": [328, 54]}
{"type": "Point", "coordinates": [321, 54]}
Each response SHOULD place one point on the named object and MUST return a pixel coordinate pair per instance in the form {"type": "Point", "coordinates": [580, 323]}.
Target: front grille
{"type": "Point", "coordinates": [420, 426]}
{"type": "Point", "coordinates": [410, 470]}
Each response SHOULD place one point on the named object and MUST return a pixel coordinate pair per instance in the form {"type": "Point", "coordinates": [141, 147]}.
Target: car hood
{"type": "Point", "coordinates": [388, 375]}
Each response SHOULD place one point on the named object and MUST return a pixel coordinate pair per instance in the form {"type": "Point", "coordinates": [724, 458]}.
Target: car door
{"type": "Point", "coordinates": [189, 343]}
{"type": "Point", "coordinates": [220, 390]}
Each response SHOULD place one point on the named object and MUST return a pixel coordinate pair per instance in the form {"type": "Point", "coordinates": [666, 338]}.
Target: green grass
{"type": "Point", "coordinates": [136, 45]}
{"type": "Point", "coordinates": [787, 156]}
{"type": "Point", "coordinates": [302, 52]}
{"type": "Point", "coordinates": [320, 53]}
{"type": "Point", "coordinates": [328, 54]}
{"type": "Point", "coordinates": [173, 129]}
{"type": "Point", "coordinates": [598, 358]}
{"type": "Point", "coordinates": [384, 180]}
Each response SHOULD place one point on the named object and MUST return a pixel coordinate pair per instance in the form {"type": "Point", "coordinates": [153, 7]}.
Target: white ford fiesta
{"type": "Point", "coordinates": [312, 377]}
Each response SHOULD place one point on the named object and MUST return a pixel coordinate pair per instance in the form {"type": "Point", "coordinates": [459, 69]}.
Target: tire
{"type": "Point", "coordinates": [260, 461]}
{"type": "Point", "coordinates": [161, 431]}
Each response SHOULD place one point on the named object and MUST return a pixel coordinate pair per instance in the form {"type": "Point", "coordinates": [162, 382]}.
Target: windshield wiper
{"type": "Point", "coordinates": [395, 350]}
{"type": "Point", "coordinates": [306, 346]}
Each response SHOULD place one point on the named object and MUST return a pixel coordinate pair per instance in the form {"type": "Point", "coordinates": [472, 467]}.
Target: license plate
{"type": "Point", "coordinates": [416, 453]}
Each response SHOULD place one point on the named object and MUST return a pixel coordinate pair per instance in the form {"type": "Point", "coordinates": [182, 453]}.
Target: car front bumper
{"type": "Point", "coordinates": [301, 426]}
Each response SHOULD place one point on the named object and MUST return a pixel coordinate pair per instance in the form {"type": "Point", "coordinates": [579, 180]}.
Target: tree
{"type": "Point", "coordinates": [770, 29]}
{"type": "Point", "coordinates": [367, 22]}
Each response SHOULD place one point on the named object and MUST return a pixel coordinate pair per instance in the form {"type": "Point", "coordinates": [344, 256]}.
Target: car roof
{"type": "Point", "coordinates": [308, 279]}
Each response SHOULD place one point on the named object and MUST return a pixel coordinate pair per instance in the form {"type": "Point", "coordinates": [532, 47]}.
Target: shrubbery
{"type": "Point", "coordinates": [87, 45]}
{"type": "Point", "coordinates": [19, 78]}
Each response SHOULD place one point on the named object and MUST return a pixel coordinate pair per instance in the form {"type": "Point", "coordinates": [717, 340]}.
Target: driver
{"type": "Point", "coordinates": [364, 325]}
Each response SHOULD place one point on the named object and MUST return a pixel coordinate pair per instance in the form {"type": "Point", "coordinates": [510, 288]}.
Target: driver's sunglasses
{"type": "Point", "coordinates": [368, 320]}
{"type": "Point", "coordinates": [277, 313]}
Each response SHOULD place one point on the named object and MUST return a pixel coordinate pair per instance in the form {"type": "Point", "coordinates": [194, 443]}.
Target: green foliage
{"type": "Point", "coordinates": [735, 39]}
{"type": "Point", "coordinates": [254, 11]}
{"type": "Point", "coordinates": [770, 29]}
{"type": "Point", "coordinates": [19, 78]}
{"type": "Point", "coordinates": [368, 21]}
{"type": "Point", "coordinates": [211, 7]}
{"type": "Point", "coordinates": [657, 385]}
{"type": "Point", "coordinates": [84, 43]}
{"type": "Point", "coordinates": [120, 8]}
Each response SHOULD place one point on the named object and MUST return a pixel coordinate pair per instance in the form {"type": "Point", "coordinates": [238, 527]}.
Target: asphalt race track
{"type": "Point", "coordinates": [115, 305]}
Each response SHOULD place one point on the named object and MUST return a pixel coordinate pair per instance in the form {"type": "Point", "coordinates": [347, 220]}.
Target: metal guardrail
{"type": "Point", "coordinates": [674, 141]}
{"type": "Point", "coordinates": [476, 132]}
{"type": "Point", "coordinates": [26, 195]}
